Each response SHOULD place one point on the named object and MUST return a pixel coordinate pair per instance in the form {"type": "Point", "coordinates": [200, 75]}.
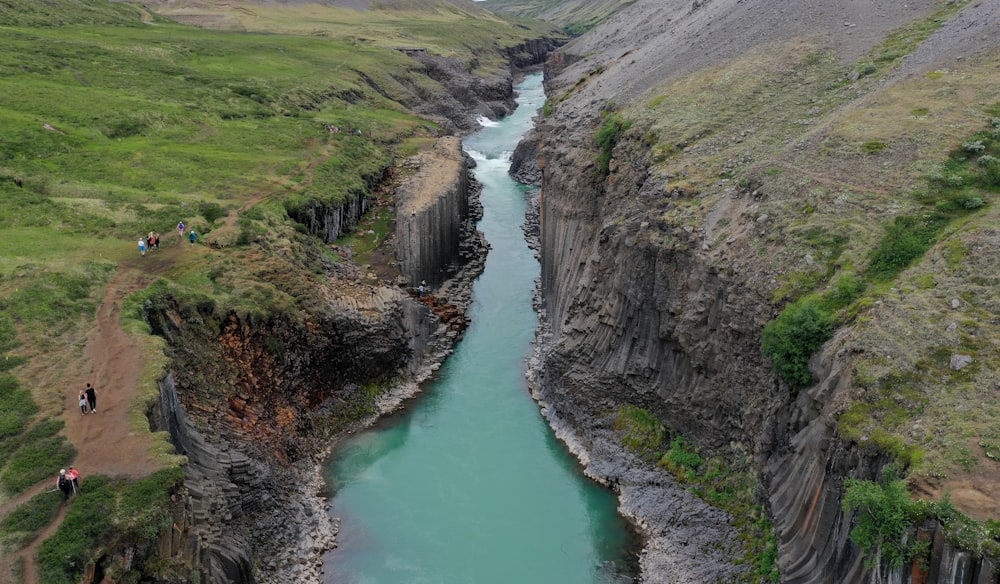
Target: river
{"type": "Point", "coordinates": [468, 485]}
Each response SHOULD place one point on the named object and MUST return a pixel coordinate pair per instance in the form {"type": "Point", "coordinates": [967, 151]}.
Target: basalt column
{"type": "Point", "coordinates": [432, 209]}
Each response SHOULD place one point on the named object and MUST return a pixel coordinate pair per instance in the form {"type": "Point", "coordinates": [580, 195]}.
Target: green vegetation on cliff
{"type": "Point", "coordinates": [105, 515]}
{"type": "Point", "coordinates": [855, 203]}
{"type": "Point", "coordinates": [732, 488]}
{"type": "Point", "coordinates": [119, 121]}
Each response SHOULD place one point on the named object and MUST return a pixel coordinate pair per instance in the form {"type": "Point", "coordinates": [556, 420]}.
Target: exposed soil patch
{"type": "Point", "coordinates": [107, 442]}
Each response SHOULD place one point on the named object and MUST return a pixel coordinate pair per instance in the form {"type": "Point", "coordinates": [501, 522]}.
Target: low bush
{"type": "Point", "coordinates": [681, 459]}
{"type": "Point", "coordinates": [606, 138]}
{"type": "Point", "coordinates": [884, 513]}
{"type": "Point", "coordinates": [906, 239]}
{"type": "Point", "coordinates": [643, 432]}
{"type": "Point", "coordinates": [791, 339]}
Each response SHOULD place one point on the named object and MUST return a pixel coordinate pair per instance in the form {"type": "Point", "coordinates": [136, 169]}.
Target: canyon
{"type": "Point", "coordinates": [702, 168]}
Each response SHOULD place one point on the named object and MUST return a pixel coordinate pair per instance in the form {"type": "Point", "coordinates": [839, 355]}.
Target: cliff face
{"type": "Point", "coordinates": [659, 272]}
{"type": "Point", "coordinates": [433, 217]}
{"type": "Point", "coordinates": [251, 401]}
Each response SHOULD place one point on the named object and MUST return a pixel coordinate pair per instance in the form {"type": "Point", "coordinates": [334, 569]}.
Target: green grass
{"type": "Point", "coordinates": [361, 243]}
{"type": "Point", "coordinates": [113, 127]}
{"type": "Point", "coordinates": [31, 455]}
{"type": "Point", "coordinates": [713, 480]}
{"type": "Point", "coordinates": [108, 513]}
{"type": "Point", "coordinates": [607, 137]}
{"type": "Point", "coordinates": [19, 527]}
{"type": "Point", "coordinates": [17, 412]}
{"type": "Point", "coordinates": [642, 433]}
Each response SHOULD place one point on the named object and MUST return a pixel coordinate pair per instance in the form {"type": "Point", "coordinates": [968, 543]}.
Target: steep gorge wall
{"type": "Point", "coordinates": [641, 314]}
{"type": "Point", "coordinates": [252, 401]}
{"type": "Point", "coordinates": [433, 218]}
{"type": "Point", "coordinates": [663, 315]}
{"type": "Point", "coordinates": [639, 317]}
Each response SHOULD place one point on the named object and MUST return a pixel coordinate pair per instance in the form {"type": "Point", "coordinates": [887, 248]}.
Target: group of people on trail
{"type": "Point", "coordinates": [337, 129]}
{"type": "Point", "coordinates": [192, 236]}
{"type": "Point", "coordinates": [152, 241]}
{"type": "Point", "coordinates": [68, 482]}
{"type": "Point", "coordinates": [88, 400]}
{"type": "Point", "coordinates": [149, 243]}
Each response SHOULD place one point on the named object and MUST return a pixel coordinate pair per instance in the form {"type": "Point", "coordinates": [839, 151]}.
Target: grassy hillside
{"type": "Point", "coordinates": [452, 29]}
{"type": "Point", "coordinates": [574, 16]}
{"type": "Point", "coordinates": [118, 121]}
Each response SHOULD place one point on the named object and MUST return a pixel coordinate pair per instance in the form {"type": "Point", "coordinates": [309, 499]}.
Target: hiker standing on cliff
{"type": "Point", "coordinates": [64, 484]}
{"type": "Point", "coordinates": [91, 398]}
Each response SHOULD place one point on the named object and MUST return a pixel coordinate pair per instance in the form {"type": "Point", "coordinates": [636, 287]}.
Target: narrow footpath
{"type": "Point", "coordinates": [108, 443]}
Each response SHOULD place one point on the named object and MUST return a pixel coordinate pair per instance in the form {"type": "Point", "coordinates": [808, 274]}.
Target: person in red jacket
{"type": "Point", "coordinates": [74, 476]}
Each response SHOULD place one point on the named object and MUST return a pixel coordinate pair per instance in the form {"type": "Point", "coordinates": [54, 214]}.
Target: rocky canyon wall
{"type": "Point", "coordinates": [252, 401]}
{"type": "Point", "coordinates": [432, 214]}
{"type": "Point", "coordinates": [640, 313]}
{"type": "Point", "coordinates": [650, 302]}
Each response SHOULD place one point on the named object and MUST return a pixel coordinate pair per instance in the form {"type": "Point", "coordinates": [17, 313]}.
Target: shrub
{"type": "Point", "coordinates": [606, 138]}
{"type": "Point", "coordinates": [791, 339]}
{"type": "Point", "coordinates": [976, 147]}
{"type": "Point", "coordinates": [681, 460]}
{"type": "Point", "coordinates": [971, 202]}
{"type": "Point", "coordinates": [906, 239]}
{"type": "Point", "coordinates": [211, 211]}
{"type": "Point", "coordinates": [954, 180]}
{"type": "Point", "coordinates": [846, 290]}
{"type": "Point", "coordinates": [874, 146]}
{"type": "Point", "coordinates": [884, 513]}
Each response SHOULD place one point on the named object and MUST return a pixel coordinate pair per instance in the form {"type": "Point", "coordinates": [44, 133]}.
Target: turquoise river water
{"type": "Point", "coordinates": [468, 485]}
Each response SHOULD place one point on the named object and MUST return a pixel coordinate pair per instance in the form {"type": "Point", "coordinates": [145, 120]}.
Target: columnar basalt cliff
{"type": "Point", "coordinates": [659, 273]}
{"type": "Point", "coordinates": [261, 398]}
{"type": "Point", "coordinates": [433, 217]}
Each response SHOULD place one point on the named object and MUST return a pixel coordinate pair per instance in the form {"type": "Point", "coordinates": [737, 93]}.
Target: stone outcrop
{"type": "Point", "coordinates": [524, 161]}
{"type": "Point", "coordinates": [330, 221]}
{"type": "Point", "coordinates": [531, 53]}
{"type": "Point", "coordinates": [649, 311]}
{"type": "Point", "coordinates": [433, 219]}
{"type": "Point", "coordinates": [254, 408]}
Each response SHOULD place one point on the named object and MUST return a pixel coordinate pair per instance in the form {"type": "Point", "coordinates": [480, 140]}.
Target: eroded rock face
{"type": "Point", "coordinates": [433, 215]}
{"type": "Point", "coordinates": [524, 162]}
{"type": "Point", "coordinates": [252, 402]}
{"type": "Point", "coordinates": [666, 316]}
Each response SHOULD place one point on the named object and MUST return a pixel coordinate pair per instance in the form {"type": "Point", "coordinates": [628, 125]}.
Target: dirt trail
{"type": "Point", "coordinates": [106, 441]}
